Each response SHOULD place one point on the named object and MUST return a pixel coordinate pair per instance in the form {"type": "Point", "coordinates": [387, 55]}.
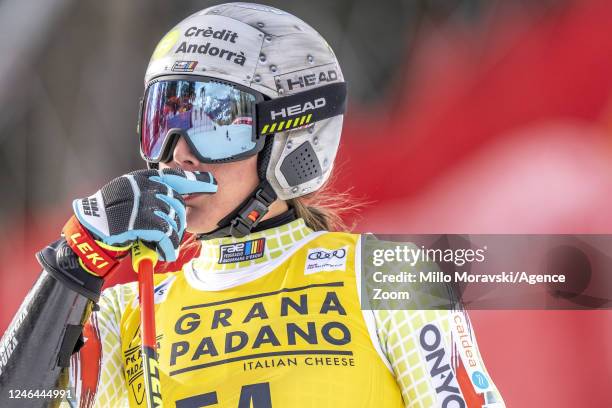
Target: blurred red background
{"type": "Point", "coordinates": [504, 133]}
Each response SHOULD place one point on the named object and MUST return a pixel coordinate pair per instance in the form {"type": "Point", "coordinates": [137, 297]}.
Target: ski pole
{"type": "Point", "coordinates": [143, 261]}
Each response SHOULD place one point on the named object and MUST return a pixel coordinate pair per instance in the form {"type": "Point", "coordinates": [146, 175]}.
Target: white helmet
{"type": "Point", "coordinates": [272, 52]}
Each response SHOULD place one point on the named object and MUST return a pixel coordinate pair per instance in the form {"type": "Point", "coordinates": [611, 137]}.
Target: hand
{"type": "Point", "coordinates": [143, 205]}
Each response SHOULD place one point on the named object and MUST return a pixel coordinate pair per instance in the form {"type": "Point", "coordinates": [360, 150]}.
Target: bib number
{"type": "Point", "coordinates": [252, 395]}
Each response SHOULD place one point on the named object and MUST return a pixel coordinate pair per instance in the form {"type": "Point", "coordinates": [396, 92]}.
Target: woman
{"type": "Point", "coordinates": [262, 307]}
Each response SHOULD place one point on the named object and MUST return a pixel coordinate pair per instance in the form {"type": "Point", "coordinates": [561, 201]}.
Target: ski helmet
{"type": "Point", "coordinates": [297, 85]}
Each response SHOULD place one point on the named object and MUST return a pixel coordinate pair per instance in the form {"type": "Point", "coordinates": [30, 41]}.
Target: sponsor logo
{"type": "Point", "coordinates": [305, 81]}
{"type": "Point", "coordinates": [298, 109]}
{"type": "Point", "coordinates": [132, 367]}
{"type": "Point", "coordinates": [480, 380]}
{"type": "Point", "coordinates": [323, 254]}
{"type": "Point", "coordinates": [468, 352]}
{"type": "Point", "coordinates": [93, 259]}
{"type": "Point", "coordinates": [205, 49]}
{"type": "Point", "coordinates": [242, 251]}
{"type": "Point", "coordinates": [135, 365]}
{"type": "Point", "coordinates": [90, 206]}
{"type": "Point", "coordinates": [151, 371]}
{"type": "Point", "coordinates": [275, 323]}
{"type": "Point", "coordinates": [66, 258]}
{"type": "Point", "coordinates": [438, 365]}
{"type": "Point", "coordinates": [9, 340]}
{"type": "Point", "coordinates": [160, 293]}
{"type": "Point", "coordinates": [223, 35]}
{"type": "Point", "coordinates": [166, 44]}
{"type": "Point", "coordinates": [305, 78]}
{"type": "Point", "coordinates": [184, 66]}
{"type": "Point", "coordinates": [323, 259]}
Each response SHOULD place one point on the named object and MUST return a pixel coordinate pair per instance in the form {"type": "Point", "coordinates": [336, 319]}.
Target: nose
{"type": "Point", "coordinates": [184, 157]}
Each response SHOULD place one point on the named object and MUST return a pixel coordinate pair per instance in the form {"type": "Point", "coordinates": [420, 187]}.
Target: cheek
{"type": "Point", "coordinates": [240, 175]}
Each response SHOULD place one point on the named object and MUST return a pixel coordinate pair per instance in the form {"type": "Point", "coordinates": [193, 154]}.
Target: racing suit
{"type": "Point", "coordinates": [274, 319]}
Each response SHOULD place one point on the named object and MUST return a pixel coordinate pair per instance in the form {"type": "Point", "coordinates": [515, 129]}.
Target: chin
{"type": "Point", "coordinates": [198, 221]}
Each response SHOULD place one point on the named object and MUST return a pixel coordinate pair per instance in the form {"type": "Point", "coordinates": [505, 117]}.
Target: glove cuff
{"type": "Point", "coordinates": [94, 258]}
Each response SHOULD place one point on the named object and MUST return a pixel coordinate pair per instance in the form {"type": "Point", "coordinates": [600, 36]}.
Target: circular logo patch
{"type": "Point", "coordinates": [480, 380]}
{"type": "Point", "coordinates": [166, 44]}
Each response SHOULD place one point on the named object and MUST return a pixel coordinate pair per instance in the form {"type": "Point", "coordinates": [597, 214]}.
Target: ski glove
{"type": "Point", "coordinates": [143, 205]}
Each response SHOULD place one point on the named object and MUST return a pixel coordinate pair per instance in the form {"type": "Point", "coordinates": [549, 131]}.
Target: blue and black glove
{"type": "Point", "coordinates": [143, 205]}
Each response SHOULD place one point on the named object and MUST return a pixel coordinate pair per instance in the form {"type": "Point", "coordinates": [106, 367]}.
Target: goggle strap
{"type": "Point", "coordinates": [241, 221]}
{"type": "Point", "coordinates": [293, 111]}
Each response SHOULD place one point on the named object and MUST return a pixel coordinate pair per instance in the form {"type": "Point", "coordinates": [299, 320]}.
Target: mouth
{"type": "Point", "coordinates": [190, 197]}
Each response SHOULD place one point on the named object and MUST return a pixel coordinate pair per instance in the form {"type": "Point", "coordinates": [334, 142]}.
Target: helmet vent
{"type": "Point", "coordinates": [301, 165]}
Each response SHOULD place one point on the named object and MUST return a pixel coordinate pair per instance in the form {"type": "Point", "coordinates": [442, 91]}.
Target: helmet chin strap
{"type": "Point", "coordinates": [247, 215]}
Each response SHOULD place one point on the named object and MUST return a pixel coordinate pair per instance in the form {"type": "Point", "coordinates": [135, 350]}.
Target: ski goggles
{"type": "Point", "coordinates": [223, 121]}
{"type": "Point", "coordinates": [215, 118]}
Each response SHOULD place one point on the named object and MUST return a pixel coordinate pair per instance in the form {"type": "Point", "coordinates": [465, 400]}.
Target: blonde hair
{"type": "Point", "coordinates": [323, 210]}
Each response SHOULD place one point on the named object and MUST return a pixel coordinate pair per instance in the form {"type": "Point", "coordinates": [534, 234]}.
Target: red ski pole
{"type": "Point", "coordinates": [143, 262]}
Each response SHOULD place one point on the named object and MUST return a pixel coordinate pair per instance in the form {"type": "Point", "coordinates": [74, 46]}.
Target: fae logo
{"type": "Point", "coordinates": [324, 259]}
{"type": "Point", "coordinates": [242, 251]}
{"type": "Point", "coordinates": [438, 365]}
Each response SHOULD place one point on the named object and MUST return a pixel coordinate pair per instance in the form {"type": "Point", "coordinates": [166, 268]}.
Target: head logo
{"type": "Point", "coordinates": [310, 79]}
{"type": "Point", "coordinates": [298, 109]}
{"type": "Point", "coordinates": [438, 364]}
